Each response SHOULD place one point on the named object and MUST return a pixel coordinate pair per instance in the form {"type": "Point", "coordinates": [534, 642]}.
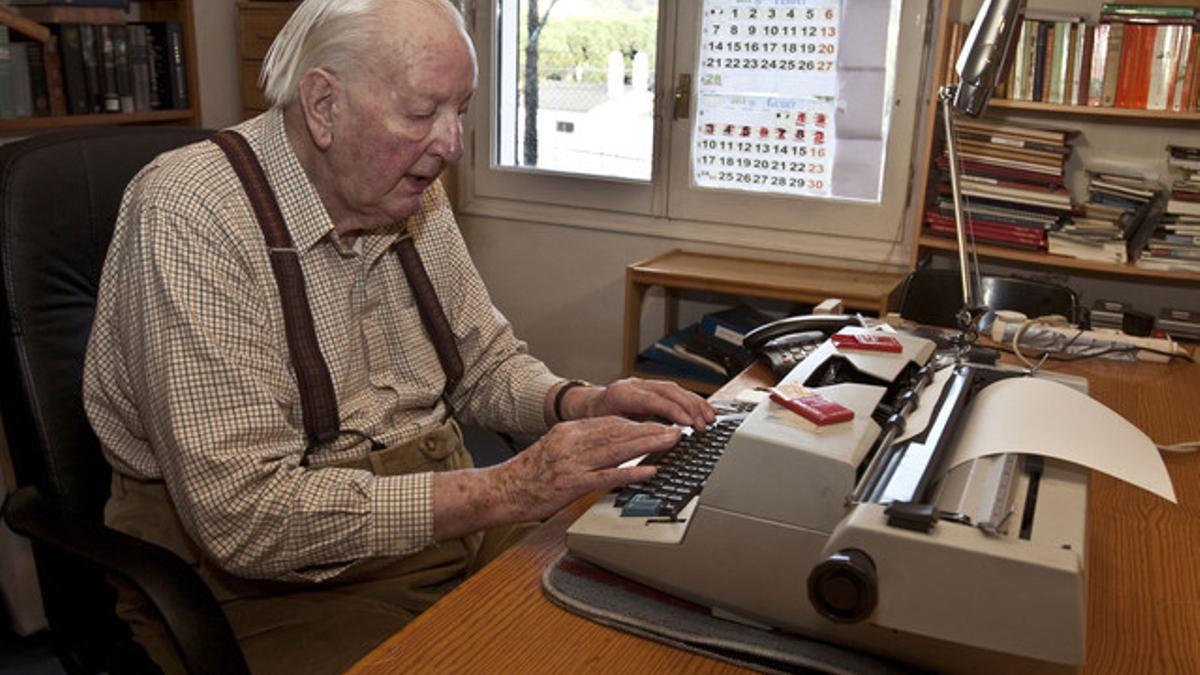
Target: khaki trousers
{"type": "Point", "coordinates": [292, 628]}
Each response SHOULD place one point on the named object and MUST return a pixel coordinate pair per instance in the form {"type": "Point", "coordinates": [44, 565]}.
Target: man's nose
{"type": "Point", "coordinates": [447, 141]}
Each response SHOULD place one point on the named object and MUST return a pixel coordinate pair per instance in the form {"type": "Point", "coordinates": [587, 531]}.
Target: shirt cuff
{"type": "Point", "coordinates": [531, 409]}
{"type": "Point", "coordinates": [402, 514]}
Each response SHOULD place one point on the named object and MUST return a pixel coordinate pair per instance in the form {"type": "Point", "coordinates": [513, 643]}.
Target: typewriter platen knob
{"type": "Point", "coordinates": [843, 587]}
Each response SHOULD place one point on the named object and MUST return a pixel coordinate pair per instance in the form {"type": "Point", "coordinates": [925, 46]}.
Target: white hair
{"type": "Point", "coordinates": [331, 34]}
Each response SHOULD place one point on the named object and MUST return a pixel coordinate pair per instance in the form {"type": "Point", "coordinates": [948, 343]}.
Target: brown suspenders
{"type": "Point", "coordinates": [317, 398]}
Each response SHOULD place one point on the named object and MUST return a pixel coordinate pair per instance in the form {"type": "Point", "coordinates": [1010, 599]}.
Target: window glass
{"type": "Point", "coordinates": [575, 86]}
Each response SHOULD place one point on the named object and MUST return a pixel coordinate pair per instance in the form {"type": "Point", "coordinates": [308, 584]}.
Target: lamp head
{"type": "Point", "coordinates": [983, 62]}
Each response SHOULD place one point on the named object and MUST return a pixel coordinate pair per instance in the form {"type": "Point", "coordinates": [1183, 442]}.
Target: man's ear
{"type": "Point", "coordinates": [320, 98]}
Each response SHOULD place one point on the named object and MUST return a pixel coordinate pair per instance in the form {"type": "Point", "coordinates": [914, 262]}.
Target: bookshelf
{"type": "Point", "coordinates": [180, 11]}
{"type": "Point", "coordinates": [1135, 134]}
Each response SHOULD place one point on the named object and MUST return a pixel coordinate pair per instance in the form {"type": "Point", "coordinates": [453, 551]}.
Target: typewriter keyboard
{"type": "Point", "coordinates": [682, 470]}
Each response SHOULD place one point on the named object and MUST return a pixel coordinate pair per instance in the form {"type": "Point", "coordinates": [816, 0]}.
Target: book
{"type": "Point", "coordinates": [122, 68]}
{"type": "Point", "coordinates": [22, 95]}
{"type": "Point", "coordinates": [165, 39]}
{"type": "Point", "coordinates": [91, 68]}
{"type": "Point", "coordinates": [110, 100]}
{"type": "Point", "coordinates": [1182, 54]}
{"type": "Point", "coordinates": [731, 325]}
{"type": "Point", "coordinates": [1112, 64]}
{"type": "Point", "coordinates": [73, 70]}
{"type": "Point", "coordinates": [7, 110]}
{"type": "Point", "coordinates": [123, 4]}
{"type": "Point", "coordinates": [729, 357]}
{"type": "Point", "coordinates": [39, 90]}
{"type": "Point", "coordinates": [661, 358]}
{"type": "Point", "coordinates": [1131, 10]}
{"type": "Point", "coordinates": [1095, 89]}
{"type": "Point", "coordinates": [139, 66]}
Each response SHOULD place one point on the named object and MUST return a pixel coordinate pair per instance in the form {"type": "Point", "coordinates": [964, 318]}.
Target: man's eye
{"type": "Point", "coordinates": [423, 115]}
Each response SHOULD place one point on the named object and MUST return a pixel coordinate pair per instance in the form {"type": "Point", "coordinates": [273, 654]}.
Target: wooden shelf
{"type": "Point", "coordinates": [180, 11]}
{"type": "Point", "coordinates": [9, 127]}
{"type": "Point", "coordinates": [1062, 262]}
{"type": "Point", "coordinates": [1141, 116]}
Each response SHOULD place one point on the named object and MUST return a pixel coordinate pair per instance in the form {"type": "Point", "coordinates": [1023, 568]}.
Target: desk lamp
{"type": "Point", "coordinates": [981, 66]}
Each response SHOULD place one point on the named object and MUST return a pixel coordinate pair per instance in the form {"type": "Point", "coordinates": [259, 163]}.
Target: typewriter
{"type": "Point", "coordinates": [867, 532]}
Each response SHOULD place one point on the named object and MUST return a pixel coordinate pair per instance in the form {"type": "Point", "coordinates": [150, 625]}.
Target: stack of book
{"type": "Point", "coordinates": [1175, 243]}
{"type": "Point", "coordinates": [1109, 314]}
{"type": "Point", "coordinates": [709, 351]}
{"type": "Point", "coordinates": [58, 58]}
{"type": "Point", "coordinates": [1113, 224]}
{"type": "Point", "coordinates": [1185, 191]}
{"type": "Point", "coordinates": [1011, 178]}
{"type": "Point", "coordinates": [1137, 56]}
{"type": "Point", "coordinates": [1182, 324]}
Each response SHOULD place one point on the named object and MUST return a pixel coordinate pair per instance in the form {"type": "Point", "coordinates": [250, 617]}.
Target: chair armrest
{"type": "Point", "coordinates": [192, 615]}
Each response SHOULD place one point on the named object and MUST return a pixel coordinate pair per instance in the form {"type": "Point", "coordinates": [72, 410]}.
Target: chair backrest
{"type": "Point", "coordinates": [59, 195]}
{"type": "Point", "coordinates": [934, 296]}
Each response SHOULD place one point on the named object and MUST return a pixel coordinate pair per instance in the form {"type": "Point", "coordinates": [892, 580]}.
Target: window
{"type": "Point", "coordinates": [718, 120]}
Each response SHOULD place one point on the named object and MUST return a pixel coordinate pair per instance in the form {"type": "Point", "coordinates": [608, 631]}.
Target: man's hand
{"type": "Point", "coordinates": [571, 460]}
{"type": "Point", "coordinates": [639, 399]}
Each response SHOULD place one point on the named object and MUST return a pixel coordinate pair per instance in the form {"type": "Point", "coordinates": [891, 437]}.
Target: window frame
{"type": "Point", "coordinates": [621, 205]}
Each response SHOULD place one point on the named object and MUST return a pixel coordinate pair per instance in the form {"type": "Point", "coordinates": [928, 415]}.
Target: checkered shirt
{"type": "Point", "coordinates": [188, 379]}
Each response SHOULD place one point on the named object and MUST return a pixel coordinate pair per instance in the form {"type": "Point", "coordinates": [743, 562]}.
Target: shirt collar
{"type": "Point", "coordinates": [301, 205]}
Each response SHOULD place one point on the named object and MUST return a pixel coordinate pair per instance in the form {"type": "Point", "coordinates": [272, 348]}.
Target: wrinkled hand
{"type": "Point", "coordinates": [575, 458]}
{"type": "Point", "coordinates": [643, 399]}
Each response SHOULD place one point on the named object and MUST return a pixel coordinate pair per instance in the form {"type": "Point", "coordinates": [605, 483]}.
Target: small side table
{"type": "Point", "coordinates": [678, 270]}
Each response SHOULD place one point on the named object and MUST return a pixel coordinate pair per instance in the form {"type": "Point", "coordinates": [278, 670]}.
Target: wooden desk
{"type": "Point", "coordinates": [677, 270]}
{"type": "Point", "coordinates": [1143, 572]}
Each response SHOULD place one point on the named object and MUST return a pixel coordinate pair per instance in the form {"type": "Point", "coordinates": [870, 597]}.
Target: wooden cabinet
{"type": "Point", "coordinates": [140, 10]}
{"type": "Point", "coordinates": [676, 271]}
{"type": "Point", "coordinates": [257, 24]}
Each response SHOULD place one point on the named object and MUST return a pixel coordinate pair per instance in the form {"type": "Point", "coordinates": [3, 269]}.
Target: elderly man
{"type": "Point", "coordinates": [289, 325]}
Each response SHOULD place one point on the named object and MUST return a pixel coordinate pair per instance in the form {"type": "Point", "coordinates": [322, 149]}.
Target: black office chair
{"type": "Point", "coordinates": [933, 297]}
{"type": "Point", "coordinates": [59, 195]}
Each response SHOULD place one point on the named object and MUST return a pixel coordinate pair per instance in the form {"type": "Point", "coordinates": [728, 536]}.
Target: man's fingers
{"type": "Point", "coordinates": [670, 401]}
{"type": "Point", "coordinates": [645, 437]}
{"type": "Point", "coordinates": [606, 479]}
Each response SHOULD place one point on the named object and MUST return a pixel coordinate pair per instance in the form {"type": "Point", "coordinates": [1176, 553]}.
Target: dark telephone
{"type": "Point", "coordinates": [786, 342]}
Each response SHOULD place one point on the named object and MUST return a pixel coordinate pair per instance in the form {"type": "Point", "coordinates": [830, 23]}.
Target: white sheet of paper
{"type": "Point", "coordinates": [1040, 417]}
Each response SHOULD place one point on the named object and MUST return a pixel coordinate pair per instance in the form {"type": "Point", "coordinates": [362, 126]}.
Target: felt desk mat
{"type": "Point", "coordinates": [615, 601]}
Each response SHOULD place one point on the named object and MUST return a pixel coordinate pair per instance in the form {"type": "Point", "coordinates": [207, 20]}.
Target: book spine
{"type": "Point", "coordinates": [38, 88]}
{"type": "Point", "coordinates": [91, 68]}
{"type": "Point", "coordinates": [74, 70]}
{"type": "Point", "coordinates": [1181, 56]}
{"type": "Point", "coordinates": [178, 65]}
{"type": "Point", "coordinates": [1060, 62]}
{"type": "Point", "coordinates": [19, 68]}
{"type": "Point", "coordinates": [106, 61]}
{"type": "Point", "coordinates": [1095, 94]}
{"type": "Point", "coordinates": [6, 90]}
{"type": "Point", "coordinates": [1193, 92]}
{"type": "Point", "coordinates": [1147, 38]}
{"type": "Point", "coordinates": [1112, 64]}
{"type": "Point", "coordinates": [139, 64]}
{"type": "Point", "coordinates": [1083, 64]}
{"type": "Point", "coordinates": [1161, 68]}
{"type": "Point", "coordinates": [1017, 90]}
{"type": "Point", "coordinates": [124, 74]}
{"type": "Point", "coordinates": [55, 91]}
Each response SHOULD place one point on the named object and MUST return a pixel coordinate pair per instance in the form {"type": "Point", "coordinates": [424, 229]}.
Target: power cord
{"type": "Point", "coordinates": [1058, 321]}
